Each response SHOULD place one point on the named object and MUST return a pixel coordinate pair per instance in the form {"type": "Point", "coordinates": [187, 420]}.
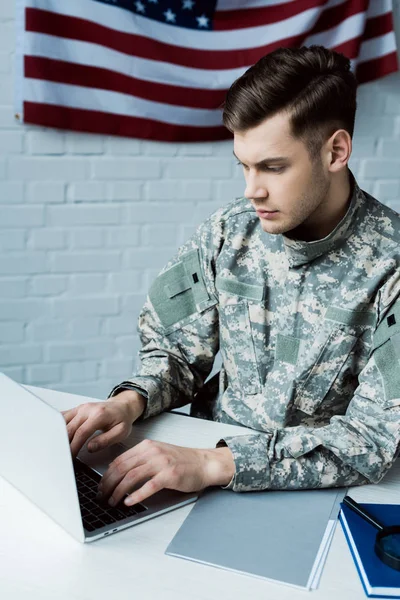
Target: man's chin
{"type": "Point", "coordinates": [274, 228]}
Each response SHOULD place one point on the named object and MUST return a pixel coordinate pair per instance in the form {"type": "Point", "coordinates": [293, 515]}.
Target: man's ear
{"type": "Point", "coordinates": [338, 150]}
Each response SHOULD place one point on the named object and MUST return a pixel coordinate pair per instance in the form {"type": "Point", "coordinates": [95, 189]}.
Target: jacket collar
{"type": "Point", "coordinates": [300, 252]}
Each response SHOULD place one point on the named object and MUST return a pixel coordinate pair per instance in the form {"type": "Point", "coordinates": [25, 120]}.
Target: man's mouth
{"type": "Point", "coordinates": [266, 214]}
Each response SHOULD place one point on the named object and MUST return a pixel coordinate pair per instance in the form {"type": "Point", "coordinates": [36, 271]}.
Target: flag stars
{"type": "Point", "coordinates": [202, 21]}
{"type": "Point", "coordinates": [170, 16]}
{"type": "Point", "coordinates": [153, 1]}
{"type": "Point", "coordinates": [187, 4]}
{"type": "Point", "coordinates": [140, 7]}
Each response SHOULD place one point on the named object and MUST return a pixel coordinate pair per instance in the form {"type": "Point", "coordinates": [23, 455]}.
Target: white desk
{"type": "Point", "coordinates": [40, 561]}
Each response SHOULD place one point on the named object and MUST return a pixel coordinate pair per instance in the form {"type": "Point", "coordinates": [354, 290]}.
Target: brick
{"type": "Point", "coordinates": [20, 310]}
{"type": "Point", "coordinates": [87, 191]}
{"type": "Point", "coordinates": [125, 190]}
{"type": "Point", "coordinates": [151, 274]}
{"type": "Point", "coordinates": [11, 142]}
{"type": "Point", "coordinates": [48, 285]}
{"type": "Point", "coordinates": [11, 332]}
{"type": "Point", "coordinates": [47, 329]}
{"type": "Point", "coordinates": [384, 190]}
{"type": "Point", "coordinates": [21, 216]}
{"type": "Point", "coordinates": [382, 168]}
{"type": "Point", "coordinates": [195, 149]}
{"type": "Point", "coordinates": [160, 234]}
{"type": "Point", "coordinates": [148, 257]}
{"type": "Point", "coordinates": [122, 237]}
{"type": "Point", "coordinates": [125, 168]}
{"type": "Point", "coordinates": [227, 191]}
{"type": "Point", "coordinates": [128, 346]}
{"type": "Point", "coordinates": [178, 212]}
{"type": "Point", "coordinates": [23, 263]}
{"type": "Point", "coordinates": [204, 210]}
{"type": "Point", "coordinates": [367, 185]}
{"type": "Point", "coordinates": [42, 374]}
{"type": "Point", "coordinates": [394, 205]}
{"type": "Point", "coordinates": [364, 147]}
{"type": "Point", "coordinates": [223, 148]}
{"type": "Point", "coordinates": [150, 148]}
{"type": "Point", "coordinates": [119, 368]}
{"type": "Point", "coordinates": [188, 231]}
{"type": "Point", "coordinates": [20, 354]}
{"type": "Point", "coordinates": [7, 116]}
{"type": "Point", "coordinates": [162, 190]}
{"type": "Point", "coordinates": [88, 238]}
{"type": "Point", "coordinates": [5, 62]}
{"type": "Point", "coordinates": [83, 215]}
{"type": "Point", "coordinates": [6, 87]}
{"type": "Point", "coordinates": [369, 101]}
{"type": "Point", "coordinates": [67, 351]}
{"type": "Point", "coordinates": [45, 142]}
{"type": "Point", "coordinates": [114, 326]}
{"type": "Point", "coordinates": [87, 284]}
{"type": "Point", "coordinates": [47, 239]}
{"type": "Point", "coordinates": [378, 126]}
{"type": "Point", "coordinates": [197, 168]}
{"type": "Point", "coordinates": [50, 169]}
{"type": "Point", "coordinates": [392, 106]}
{"type": "Point", "coordinates": [237, 171]}
{"type": "Point", "coordinates": [132, 304]}
{"type": "Point", "coordinates": [7, 10]}
{"type": "Point", "coordinates": [44, 192]}
{"type": "Point", "coordinates": [83, 328]}
{"type": "Point", "coordinates": [13, 239]}
{"type": "Point", "coordinates": [388, 148]}
{"type": "Point", "coordinates": [72, 262]}
{"type": "Point", "coordinates": [11, 192]}
{"type": "Point", "coordinates": [97, 390]}
{"type": "Point", "coordinates": [126, 281]}
{"type": "Point", "coordinates": [354, 165]}
{"type": "Point", "coordinates": [80, 371]}
{"type": "Point", "coordinates": [15, 373]}
{"type": "Point", "coordinates": [196, 190]}
{"type": "Point", "coordinates": [13, 288]}
{"type": "Point", "coordinates": [120, 145]}
{"type": "Point", "coordinates": [89, 306]}
{"type": "Point", "coordinates": [85, 143]}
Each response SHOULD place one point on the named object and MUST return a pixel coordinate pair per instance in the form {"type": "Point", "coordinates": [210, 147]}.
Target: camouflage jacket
{"type": "Point", "coordinates": [309, 334]}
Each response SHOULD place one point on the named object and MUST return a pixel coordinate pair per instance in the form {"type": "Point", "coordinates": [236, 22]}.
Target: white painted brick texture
{"type": "Point", "coordinates": [86, 223]}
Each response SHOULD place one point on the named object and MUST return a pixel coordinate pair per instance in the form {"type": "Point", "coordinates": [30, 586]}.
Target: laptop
{"type": "Point", "coordinates": [35, 458]}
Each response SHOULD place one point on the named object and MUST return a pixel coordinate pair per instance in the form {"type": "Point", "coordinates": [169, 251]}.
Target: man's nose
{"type": "Point", "coordinates": [254, 188]}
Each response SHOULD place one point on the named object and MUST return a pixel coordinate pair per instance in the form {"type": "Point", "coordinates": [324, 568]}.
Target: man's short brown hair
{"type": "Point", "coordinates": [313, 84]}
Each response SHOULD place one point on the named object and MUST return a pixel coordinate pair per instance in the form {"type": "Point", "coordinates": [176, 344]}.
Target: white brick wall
{"type": "Point", "coordinates": [87, 221]}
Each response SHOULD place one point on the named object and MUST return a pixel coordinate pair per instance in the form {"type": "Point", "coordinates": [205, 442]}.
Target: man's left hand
{"type": "Point", "coordinates": [162, 465]}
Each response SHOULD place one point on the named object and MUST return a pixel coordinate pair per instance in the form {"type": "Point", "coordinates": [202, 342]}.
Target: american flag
{"type": "Point", "coordinates": [160, 69]}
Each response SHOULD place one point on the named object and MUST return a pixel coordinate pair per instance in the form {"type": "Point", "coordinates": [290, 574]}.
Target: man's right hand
{"type": "Point", "coordinates": [113, 417]}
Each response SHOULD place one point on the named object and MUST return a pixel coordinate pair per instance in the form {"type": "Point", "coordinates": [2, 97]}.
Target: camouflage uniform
{"type": "Point", "coordinates": [309, 334]}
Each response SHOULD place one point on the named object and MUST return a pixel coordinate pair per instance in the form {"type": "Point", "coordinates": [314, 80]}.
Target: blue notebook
{"type": "Point", "coordinates": [379, 580]}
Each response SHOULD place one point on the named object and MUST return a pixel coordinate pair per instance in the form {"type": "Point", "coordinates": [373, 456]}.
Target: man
{"type": "Point", "coordinates": [297, 284]}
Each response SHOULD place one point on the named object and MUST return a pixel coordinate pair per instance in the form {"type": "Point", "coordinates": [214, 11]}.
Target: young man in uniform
{"type": "Point", "coordinates": [297, 284]}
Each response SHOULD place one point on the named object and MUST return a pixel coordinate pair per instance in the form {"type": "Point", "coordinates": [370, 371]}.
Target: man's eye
{"type": "Point", "coordinates": [273, 169]}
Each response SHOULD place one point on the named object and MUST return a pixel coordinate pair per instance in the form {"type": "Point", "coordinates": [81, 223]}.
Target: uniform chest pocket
{"type": "Point", "coordinates": [237, 342]}
{"type": "Point", "coordinates": [330, 350]}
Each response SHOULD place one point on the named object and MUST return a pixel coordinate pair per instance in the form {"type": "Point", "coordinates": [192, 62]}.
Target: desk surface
{"type": "Point", "coordinates": [40, 561]}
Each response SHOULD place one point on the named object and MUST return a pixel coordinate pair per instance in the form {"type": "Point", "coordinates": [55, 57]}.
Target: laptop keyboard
{"type": "Point", "coordinates": [97, 514]}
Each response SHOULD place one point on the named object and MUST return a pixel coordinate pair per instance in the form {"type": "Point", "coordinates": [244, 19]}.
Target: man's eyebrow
{"type": "Point", "coordinates": [266, 161]}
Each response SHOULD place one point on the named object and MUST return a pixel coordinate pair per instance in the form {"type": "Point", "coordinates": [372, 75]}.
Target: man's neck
{"type": "Point", "coordinates": [324, 221]}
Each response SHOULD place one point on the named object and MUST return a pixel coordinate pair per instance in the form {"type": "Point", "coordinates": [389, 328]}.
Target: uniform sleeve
{"type": "Point", "coordinates": [355, 448]}
{"type": "Point", "coordinates": [178, 325]}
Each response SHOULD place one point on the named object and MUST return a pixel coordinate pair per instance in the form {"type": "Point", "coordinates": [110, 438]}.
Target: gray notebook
{"type": "Point", "coordinates": [282, 536]}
